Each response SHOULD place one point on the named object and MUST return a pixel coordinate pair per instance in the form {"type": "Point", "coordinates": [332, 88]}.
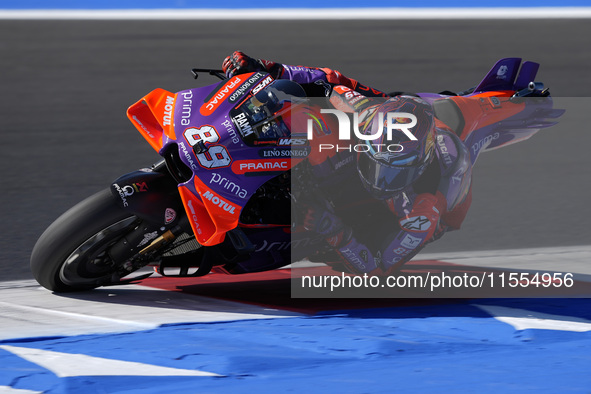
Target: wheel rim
{"type": "Point", "coordinates": [89, 265]}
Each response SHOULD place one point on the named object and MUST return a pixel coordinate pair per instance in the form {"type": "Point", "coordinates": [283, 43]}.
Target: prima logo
{"type": "Point", "coordinates": [228, 185]}
{"type": "Point", "coordinates": [186, 108]}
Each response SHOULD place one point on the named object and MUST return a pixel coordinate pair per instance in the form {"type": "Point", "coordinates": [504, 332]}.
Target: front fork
{"type": "Point", "coordinates": [151, 195]}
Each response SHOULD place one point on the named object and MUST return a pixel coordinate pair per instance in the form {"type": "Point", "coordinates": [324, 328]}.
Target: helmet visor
{"type": "Point", "coordinates": [384, 180]}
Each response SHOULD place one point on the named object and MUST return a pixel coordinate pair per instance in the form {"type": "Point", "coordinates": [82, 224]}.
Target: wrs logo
{"type": "Point", "coordinates": [395, 122]}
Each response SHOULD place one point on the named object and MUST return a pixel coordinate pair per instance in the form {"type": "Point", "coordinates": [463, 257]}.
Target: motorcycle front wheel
{"type": "Point", "coordinates": [71, 255]}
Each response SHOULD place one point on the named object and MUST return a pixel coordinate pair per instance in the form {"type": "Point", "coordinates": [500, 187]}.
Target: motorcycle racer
{"type": "Point", "coordinates": [259, 172]}
{"type": "Point", "coordinates": [426, 186]}
{"type": "Point", "coordinates": [314, 80]}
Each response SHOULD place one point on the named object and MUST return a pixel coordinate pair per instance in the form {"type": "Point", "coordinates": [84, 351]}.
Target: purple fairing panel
{"type": "Point", "coordinates": [507, 74]}
{"type": "Point", "coordinates": [275, 247]}
{"type": "Point", "coordinates": [203, 115]}
{"type": "Point", "coordinates": [527, 74]}
{"type": "Point", "coordinates": [501, 76]}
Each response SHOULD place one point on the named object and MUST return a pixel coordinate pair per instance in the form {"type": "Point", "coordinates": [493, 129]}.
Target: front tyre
{"type": "Point", "coordinates": [72, 253]}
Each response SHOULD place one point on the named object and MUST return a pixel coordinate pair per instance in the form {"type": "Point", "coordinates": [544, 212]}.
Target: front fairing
{"type": "Point", "coordinates": [226, 172]}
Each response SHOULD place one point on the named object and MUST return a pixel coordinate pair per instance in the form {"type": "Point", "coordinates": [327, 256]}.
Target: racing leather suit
{"type": "Point", "coordinates": [420, 213]}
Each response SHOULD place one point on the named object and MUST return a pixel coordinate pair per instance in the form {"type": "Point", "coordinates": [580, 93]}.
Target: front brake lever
{"type": "Point", "coordinates": [217, 73]}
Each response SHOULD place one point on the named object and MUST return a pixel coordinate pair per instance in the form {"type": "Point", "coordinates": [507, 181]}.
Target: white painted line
{"type": "Point", "coordinates": [28, 310]}
{"type": "Point", "coordinates": [11, 390]}
{"type": "Point", "coordinates": [308, 14]}
{"type": "Point", "coordinates": [68, 365]}
{"type": "Point", "coordinates": [55, 314]}
{"type": "Point", "coordinates": [522, 319]}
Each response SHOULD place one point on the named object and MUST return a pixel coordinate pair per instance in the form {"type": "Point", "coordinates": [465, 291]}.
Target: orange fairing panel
{"type": "Point", "coordinates": [153, 116]}
{"type": "Point", "coordinates": [201, 223]}
{"type": "Point", "coordinates": [211, 216]}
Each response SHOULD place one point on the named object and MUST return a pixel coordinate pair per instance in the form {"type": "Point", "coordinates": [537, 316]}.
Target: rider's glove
{"type": "Point", "coordinates": [241, 63]}
{"type": "Point", "coordinates": [320, 220]}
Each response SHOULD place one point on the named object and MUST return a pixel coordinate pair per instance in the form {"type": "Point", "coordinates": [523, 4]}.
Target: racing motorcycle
{"type": "Point", "coordinates": [221, 198]}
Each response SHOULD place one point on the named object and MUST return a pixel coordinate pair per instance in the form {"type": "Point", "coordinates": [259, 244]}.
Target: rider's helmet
{"type": "Point", "coordinates": [388, 165]}
{"type": "Point", "coordinates": [268, 111]}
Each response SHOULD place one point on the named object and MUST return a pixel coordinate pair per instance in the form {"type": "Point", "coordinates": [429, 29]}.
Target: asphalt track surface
{"type": "Point", "coordinates": [66, 86]}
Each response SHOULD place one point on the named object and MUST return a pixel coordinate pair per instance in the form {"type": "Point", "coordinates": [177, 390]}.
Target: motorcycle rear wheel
{"type": "Point", "coordinates": [71, 255]}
